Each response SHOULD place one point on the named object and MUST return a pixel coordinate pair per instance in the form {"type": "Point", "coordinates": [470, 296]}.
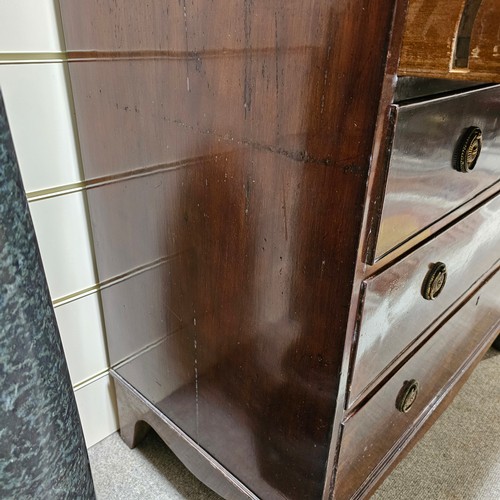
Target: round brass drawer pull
{"type": "Point", "coordinates": [434, 281]}
{"type": "Point", "coordinates": [407, 396]}
{"type": "Point", "coordinates": [469, 149]}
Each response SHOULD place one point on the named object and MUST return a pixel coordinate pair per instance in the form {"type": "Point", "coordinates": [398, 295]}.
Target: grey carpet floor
{"type": "Point", "coordinates": [458, 458]}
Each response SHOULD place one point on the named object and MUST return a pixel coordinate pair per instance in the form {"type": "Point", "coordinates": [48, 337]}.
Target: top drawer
{"type": "Point", "coordinates": [424, 183]}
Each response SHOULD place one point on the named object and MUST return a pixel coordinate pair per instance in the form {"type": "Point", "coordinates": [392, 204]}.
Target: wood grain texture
{"type": "Point", "coordinates": [423, 182]}
{"type": "Point", "coordinates": [417, 433]}
{"type": "Point", "coordinates": [395, 313]}
{"type": "Point", "coordinates": [230, 151]}
{"type": "Point", "coordinates": [377, 431]}
{"type": "Point", "coordinates": [234, 140]}
{"type": "Point", "coordinates": [431, 37]}
{"type": "Point", "coordinates": [137, 416]}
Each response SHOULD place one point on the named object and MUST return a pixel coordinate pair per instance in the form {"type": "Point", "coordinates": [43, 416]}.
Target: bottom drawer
{"type": "Point", "coordinates": [374, 434]}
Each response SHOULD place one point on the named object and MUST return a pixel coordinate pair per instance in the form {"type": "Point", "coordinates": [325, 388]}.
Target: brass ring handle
{"type": "Point", "coordinates": [434, 281]}
{"type": "Point", "coordinates": [469, 149]}
{"type": "Point", "coordinates": [407, 396]}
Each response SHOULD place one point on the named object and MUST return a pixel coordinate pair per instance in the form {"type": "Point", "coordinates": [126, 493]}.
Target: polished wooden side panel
{"type": "Point", "coordinates": [137, 416]}
{"type": "Point", "coordinates": [139, 304]}
{"type": "Point", "coordinates": [235, 146]}
{"type": "Point", "coordinates": [430, 42]}
{"type": "Point", "coordinates": [378, 430]}
{"type": "Point", "coordinates": [150, 128]}
{"type": "Point", "coordinates": [395, 313]}
{"type": "Point", "coordinates": [188, 28]}
{"type": "Point", "coordinates": [271, 75]}
{"type": "Point", "coordinates": [422, 184]}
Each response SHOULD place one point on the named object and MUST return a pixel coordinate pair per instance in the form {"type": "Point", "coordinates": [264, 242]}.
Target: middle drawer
{"type": "Point", "coordinates": [395, 311]}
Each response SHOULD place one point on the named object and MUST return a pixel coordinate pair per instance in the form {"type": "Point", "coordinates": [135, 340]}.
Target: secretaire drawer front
{"type": "Point", "coordinates": [397, 307]}
{"type": "Point", "coordinates": [445, 151]}
{"type": "Point", "coordinates": [379, 427]}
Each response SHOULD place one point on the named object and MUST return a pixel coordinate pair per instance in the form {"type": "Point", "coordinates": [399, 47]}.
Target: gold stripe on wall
{"type": "Point", "coordinates": [89, 380]}
{"type": "Point", "coordinates": [52, 192]}
{"type": "Point", "coordinates": [113, 280]}
{"type": "Point", "coordinates": [32, 57]}
{"type": "Point", "coordinates": [80, 294]}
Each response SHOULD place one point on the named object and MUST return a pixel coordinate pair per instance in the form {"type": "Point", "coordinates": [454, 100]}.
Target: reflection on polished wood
{"type": "Point", "coordinates": [138, 415]}
{"type": "Point", "coordinates": [229, 150]}
{"type": "Point", "coordinates": [375, 433]}
{"type": "Point", "coordinates": [395, 314]}
{"type": "Point", "coordinates": [423, 183]}
{"type": "Point", "coordinates": [257, 119]}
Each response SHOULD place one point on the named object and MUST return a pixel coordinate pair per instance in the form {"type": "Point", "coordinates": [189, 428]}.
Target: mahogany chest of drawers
{"type": "Point", "coordinates": [297, 248]}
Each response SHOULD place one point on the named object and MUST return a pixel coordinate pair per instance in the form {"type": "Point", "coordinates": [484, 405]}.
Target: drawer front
{"type": "Point", "coordinates": [375, 433]}
{"type": "Point", "coordinates": [395, 311]}
{"type": "Point", "coordinates": [424, 183]}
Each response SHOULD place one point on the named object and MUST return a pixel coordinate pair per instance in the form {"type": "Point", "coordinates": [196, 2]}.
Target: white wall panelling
{"type": "Point", "coordinates": [97, 407]}
{"type": "Point", "coordinates": [82, 335]}
{"type": "Point", "coordinates": [63, 236]}
{"type": "Point", "coordinates": [29, 26]}
{"type": "Point", "coordinates": [34, 84]}
{"type": "Point", "coordinates": [37, 103]}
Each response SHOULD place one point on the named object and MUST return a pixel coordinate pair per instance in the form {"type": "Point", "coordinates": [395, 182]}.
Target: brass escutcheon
{"type": "Point", "coordinates": [434, 281]}
{"type": "Point", "coordinates": [469, 149]}
{"type": "Point", "coordinates": [407, 396]}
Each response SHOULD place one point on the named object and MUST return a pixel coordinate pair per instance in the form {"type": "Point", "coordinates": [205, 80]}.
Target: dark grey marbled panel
{"type": "Point", "coordinates": [42, 450]}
